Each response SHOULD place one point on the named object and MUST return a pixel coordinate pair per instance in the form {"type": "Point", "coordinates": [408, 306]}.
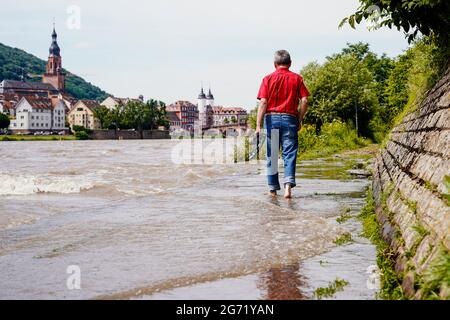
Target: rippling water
{"type": "Point", "coordinates": [137, 224]}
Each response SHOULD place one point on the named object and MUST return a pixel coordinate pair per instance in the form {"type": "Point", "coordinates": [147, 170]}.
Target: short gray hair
{"type": "Point", "coordinates": [282, 58]}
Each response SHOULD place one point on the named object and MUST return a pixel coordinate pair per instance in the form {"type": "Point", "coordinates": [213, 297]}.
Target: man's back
{"type": "Point", "coordinates": [283, 90]}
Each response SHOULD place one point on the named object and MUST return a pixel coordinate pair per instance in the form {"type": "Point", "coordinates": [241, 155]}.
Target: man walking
{"type": "Point", "coordinates": [282, 94]}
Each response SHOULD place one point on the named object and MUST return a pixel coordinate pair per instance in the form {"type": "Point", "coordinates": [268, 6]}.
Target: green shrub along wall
{"type": "Point", "coordinates": [410, 190]}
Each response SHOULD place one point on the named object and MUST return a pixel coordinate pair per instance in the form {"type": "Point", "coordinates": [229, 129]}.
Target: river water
{"type": "Point", "coordinates": [137, 224]}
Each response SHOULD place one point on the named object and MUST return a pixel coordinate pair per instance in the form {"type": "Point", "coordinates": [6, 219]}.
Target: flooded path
{"type": "Point", "coordinates": [139, 226]}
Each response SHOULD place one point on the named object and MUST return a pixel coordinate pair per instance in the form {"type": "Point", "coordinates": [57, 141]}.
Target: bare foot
{"type": "Point", "coordinates": [287, 191]}
{"type": "Point", "coordinates": [273, 193]}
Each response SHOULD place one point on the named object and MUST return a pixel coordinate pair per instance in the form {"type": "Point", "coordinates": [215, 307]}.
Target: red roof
{"type": "Point", "coordinates": [230, 110]}
{"type": "Point", "coordinates": [39, 103]}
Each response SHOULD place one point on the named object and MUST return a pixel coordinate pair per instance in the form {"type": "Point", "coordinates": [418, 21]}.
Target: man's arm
{"type": "Point", "coordinates": [303, 110]}
{"type": "Point", "coordinates": [261, 112]}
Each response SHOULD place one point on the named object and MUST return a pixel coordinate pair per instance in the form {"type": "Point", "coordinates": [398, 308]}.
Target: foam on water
{"type": "Point", "coordinates": [31, 184]}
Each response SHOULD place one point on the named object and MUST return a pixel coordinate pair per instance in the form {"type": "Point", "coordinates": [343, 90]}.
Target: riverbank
{"type": "Point", "coordinates": [36, 138]}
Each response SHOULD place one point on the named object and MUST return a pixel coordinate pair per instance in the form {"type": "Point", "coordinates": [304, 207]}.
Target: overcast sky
{"type": "Point", "coordinates": [165, 49]}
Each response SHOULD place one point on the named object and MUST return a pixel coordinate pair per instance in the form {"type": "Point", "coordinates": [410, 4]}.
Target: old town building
{"type": "Point", "coordinates": [113, 102]}
{"type": "Point", "coordinates": [34, 114]}
{"type": "Point", "coordinates": [182, 115]}
{"type": "Point", "coordinates": [82, 114]}
{"type": "Point", "coordinates": [223, 116]}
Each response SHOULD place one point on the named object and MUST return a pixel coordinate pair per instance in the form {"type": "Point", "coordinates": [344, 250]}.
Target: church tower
{"type": "Point", "coordinates": [210, 98]}
{"type": "Point", "coordinates": [54, 73]}
{"type": "Point", "coordinates": [204, 110]}
{"type": "Point", "coordinates": [202, 102]}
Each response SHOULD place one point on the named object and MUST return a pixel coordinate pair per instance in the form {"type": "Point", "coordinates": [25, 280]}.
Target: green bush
{"type": "Point", "coordinates": [335, 136]}
{"type": "Point", "coordinates": [76, 128]}
{"type": "Point", "coordinates": [82, 135]}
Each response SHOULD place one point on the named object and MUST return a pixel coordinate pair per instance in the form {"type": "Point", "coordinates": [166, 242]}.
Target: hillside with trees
{"type": "Point", "coordinates": [15, 63]}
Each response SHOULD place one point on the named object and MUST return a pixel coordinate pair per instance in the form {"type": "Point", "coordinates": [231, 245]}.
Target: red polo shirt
{"type": "Point", "coordinates": [283, 90]}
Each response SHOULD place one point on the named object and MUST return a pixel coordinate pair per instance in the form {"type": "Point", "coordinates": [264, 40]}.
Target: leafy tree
{"type": "Point", "coordinates": [162, 115]}
{"type": "Point", "coordinates": [158, 114]}
{"type": "Point", "coordinates": [396, 89]}
{"type": "Point", "coordinates": [380, 67]}
{"type": "Point", "coordinates": [137, 115]}
{"type": "Point", "coordinates": [143, 116]}
{"type": "Point", "coordinates": [428, 17]}
{"type": "Point", "coordinates": [4, 121]}
{"type": "Point", "coordinates": [244, 119]}
{"type": "Point", "coordinates": [116, 118]}
{"type": "Point", "coordinates": [233, 119]}
{"type": "Point", "coordinates": [102, 115]}
{"type": "Point", "coordinates": [340, 88]}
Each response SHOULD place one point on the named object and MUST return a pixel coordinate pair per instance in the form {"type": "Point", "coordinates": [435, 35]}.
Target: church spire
{"type": "Point", "coordinates": [54, 73]}
{"type": "Point", "coordinates": [210, 96]}
{"type": "Point", "coordinates": [202, 94]}
{"type": "Point", "coordinates": [54, 50]}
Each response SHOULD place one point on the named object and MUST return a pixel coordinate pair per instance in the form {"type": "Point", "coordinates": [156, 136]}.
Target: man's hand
{"type": "Point", "coordinates": [261, 112]}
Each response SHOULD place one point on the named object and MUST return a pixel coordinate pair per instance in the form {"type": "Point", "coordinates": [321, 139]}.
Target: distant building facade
{"type": "Point", "coordinates": [182, 115]}
{"type": "Point", "coordinates": [38, 114]}
{"type": "Point", "coordinates": [112, 102]}
{"type": "Point", "coordinates": [82, 114]}
{"type": "Point", "coordinates": [22, 88]}
{"type": "Point", "coordinates": [205, 115]}
{"type": "Point", "coordinates": [229, 116]}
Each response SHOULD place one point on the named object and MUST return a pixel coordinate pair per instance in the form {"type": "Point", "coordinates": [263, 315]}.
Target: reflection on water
{"type": "Point", "coordinates": [138, 225]}
{"type": "Point", "coordinates": [282, 283]}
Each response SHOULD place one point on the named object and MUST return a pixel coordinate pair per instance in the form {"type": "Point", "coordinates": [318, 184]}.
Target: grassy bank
{"type": "Point", "coordinates": [390, 281]}
{"type": "Point", "coordinates": [433, 284]}
{"type": "Point", "coordinates": [334, 137]}
{"type": "Point", "coordinates": [35, 138]}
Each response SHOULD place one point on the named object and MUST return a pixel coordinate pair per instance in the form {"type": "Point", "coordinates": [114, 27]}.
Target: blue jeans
{"type": "Point", "coordinates": [282, 131]}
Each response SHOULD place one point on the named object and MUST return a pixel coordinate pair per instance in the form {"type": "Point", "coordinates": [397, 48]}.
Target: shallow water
{"type": "Point", "coordinates": [139, 226]}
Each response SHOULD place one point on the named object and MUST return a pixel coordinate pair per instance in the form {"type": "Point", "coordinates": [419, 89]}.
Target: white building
{"type": "Point", "coordinates": [223, 116]}
{"type": "Point", "coordinates": [204, 105]}
{"type": "Point", "coordinates": [112, 102]}
{"type": "Point", "coordinates": [39, 114]}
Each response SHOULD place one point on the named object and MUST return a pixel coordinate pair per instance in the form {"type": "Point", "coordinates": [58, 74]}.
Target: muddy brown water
{"type": "Point", "coordinates": [139, 226]}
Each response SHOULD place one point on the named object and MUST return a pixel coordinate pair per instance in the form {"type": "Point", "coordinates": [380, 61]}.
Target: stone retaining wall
{"type": "Point", "coordinates": [409, 188]}
{"type": "Point", "coordinates": [128, 135]}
